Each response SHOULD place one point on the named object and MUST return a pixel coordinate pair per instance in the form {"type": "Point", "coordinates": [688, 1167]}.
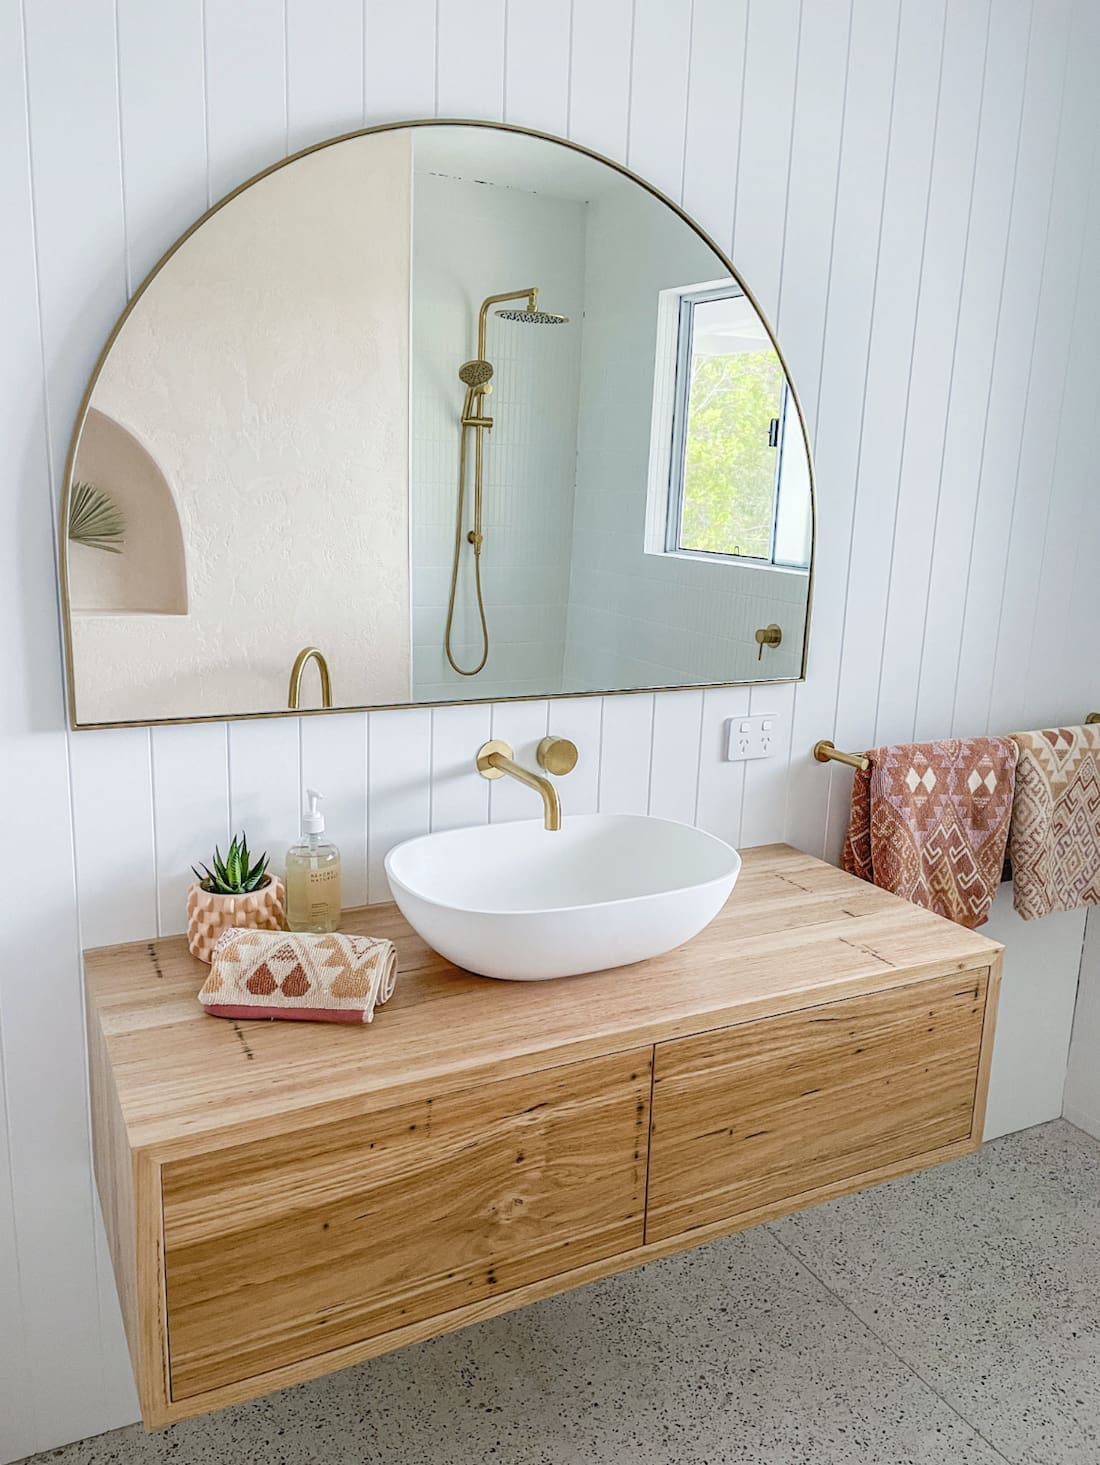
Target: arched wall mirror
{"type": "Point", "coordinates": [470, 410]}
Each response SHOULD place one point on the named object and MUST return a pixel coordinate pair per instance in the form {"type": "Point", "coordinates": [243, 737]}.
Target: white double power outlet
{"type": "Point", "coordinates": [750, 737]}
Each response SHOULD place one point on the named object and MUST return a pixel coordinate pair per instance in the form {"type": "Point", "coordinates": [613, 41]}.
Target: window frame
{"type": "Point", "coordinates": [688, 298]}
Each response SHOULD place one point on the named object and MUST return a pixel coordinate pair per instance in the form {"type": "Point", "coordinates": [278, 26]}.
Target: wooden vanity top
{"type": "Point", "coordinates": [795, 932]}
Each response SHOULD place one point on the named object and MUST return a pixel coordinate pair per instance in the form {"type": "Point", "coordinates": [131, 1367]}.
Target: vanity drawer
{"type": "Point", "coordinates": [284, 1249]}
{"type": "Point", "coordinates": [748, 1119]}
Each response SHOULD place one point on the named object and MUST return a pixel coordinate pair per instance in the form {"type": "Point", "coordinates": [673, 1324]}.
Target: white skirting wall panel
{"type": "Point", "coordinates": [1082, 1097]}
{"type": "Point", "coordinates": [908, 185]}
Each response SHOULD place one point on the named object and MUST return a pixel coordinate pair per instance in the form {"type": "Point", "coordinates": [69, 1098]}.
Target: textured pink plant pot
{"type": "Point", "coordinates": [208, 915]}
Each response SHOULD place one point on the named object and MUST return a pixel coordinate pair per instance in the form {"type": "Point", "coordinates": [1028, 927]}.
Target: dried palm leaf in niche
{"type": "Point", "coordinates": [94, 520]}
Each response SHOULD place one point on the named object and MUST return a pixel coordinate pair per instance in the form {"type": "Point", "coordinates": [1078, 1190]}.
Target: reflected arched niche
{"type": "Point", "coordinates": [149, 577]}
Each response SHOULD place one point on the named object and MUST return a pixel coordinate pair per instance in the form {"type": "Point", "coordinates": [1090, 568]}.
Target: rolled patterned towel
{"type": "Point", "coordinates": [299, 976]}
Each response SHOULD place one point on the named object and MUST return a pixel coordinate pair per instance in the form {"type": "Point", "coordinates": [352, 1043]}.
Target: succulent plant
{"type": "Point", "coordinates": [94, 519]}
{"type": "Point", "coordinates": [235, 875]}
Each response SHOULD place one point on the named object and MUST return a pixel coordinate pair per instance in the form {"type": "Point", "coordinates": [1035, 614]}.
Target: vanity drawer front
{"type": "Point", "coordinates": [283, 1249]}
{"type": "Point", "coordinates": [748, 1117]}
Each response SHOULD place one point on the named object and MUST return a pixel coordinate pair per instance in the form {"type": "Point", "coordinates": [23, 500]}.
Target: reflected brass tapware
{"type": "Point", "coordinates": [377, 129]}
{"type": "Point", "coordinates": [768, 636]}
{"type": "Point", "coordinates": [557, 755]}
{"type": "Point", "coordinates": [307, 654]}
{"type": "Point", "coordinates": [826, 752]}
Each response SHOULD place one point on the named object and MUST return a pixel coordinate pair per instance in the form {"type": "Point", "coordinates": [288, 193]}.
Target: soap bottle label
{"type": "Point", "coordinates": [322, 891]}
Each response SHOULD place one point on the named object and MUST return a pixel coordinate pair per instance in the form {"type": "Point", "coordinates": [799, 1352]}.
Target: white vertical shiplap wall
{"type": "Point", "coordinates": [909, 187]}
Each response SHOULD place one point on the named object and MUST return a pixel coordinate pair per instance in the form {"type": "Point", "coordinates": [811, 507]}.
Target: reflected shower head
{"type": "Point", "coordinates": [534, 317]}
{"type": "Point", "coordinates": [475, 373]}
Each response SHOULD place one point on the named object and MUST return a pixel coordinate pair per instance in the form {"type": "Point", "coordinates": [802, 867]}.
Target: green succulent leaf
{"type": "Point", "coordinates": [257, 875]}
{"type": "Point", "coordinates": [236, 874]}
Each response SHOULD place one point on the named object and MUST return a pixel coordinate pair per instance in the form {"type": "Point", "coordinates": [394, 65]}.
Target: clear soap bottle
{"type": "Point", "coordinates": [313, 875]}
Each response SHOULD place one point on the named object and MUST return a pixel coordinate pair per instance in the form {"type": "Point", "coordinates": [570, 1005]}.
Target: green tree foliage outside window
{"type": "Point", "coordinates": [729, 468]}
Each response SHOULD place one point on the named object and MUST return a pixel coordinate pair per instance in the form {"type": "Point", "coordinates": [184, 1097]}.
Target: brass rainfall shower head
{"type": "Point", "coordinates": [534, 317]}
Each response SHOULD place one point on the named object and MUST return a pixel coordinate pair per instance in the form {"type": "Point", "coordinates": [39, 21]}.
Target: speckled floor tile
{"type": "Point", "coordinates": [730, 1355]}
{"type": "Point", "coordinates": [984, 1276]}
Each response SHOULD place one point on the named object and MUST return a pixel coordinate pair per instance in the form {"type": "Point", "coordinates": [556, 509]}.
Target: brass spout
{"type": "Point", "coordinates": [495, 760]}
{"type": "Point", "coordinates": [307, 654]}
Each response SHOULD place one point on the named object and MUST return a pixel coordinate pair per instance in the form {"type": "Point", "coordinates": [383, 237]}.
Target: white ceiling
{"type": "Point", "coordinates": [512, 160]}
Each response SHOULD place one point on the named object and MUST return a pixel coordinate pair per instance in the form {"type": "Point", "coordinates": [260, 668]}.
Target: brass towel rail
{"type": "Point", "coordinates": [827, 752]}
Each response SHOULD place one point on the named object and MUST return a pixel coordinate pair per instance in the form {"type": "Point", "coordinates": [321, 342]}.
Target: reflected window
{"type": "Point", "coordinates": [734, 491]}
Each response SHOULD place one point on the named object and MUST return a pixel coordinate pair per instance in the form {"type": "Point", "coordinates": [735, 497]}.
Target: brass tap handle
{"type": "Point", "coordinates": [768, 636]}
{"type": "Point", "coordinates": [557, 755]}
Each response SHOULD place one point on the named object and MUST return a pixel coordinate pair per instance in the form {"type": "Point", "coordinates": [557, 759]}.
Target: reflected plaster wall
{"type": "Point", "coordinates": [149, 574]}
{"type": "Point", "coordinates": [266, 370]}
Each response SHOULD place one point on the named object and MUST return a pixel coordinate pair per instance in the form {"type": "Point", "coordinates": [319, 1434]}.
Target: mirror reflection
{"type": "Point", "coordinates": [431, 414]}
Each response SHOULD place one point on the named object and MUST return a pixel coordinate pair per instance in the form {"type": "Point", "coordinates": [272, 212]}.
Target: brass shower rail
{"type": "Point", "coordinates": [827, 752]}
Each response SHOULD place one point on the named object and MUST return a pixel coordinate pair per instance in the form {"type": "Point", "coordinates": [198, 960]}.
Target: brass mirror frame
{"type": "Point", "coordinates": [85, 403]}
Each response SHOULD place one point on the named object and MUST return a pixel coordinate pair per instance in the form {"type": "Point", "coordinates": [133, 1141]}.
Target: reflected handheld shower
{"type": "Point", "coordinates": [475, 373]}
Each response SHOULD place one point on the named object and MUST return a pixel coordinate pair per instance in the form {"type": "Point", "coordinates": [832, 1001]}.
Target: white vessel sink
{"type": "Point", "coordinates": [521, 903]}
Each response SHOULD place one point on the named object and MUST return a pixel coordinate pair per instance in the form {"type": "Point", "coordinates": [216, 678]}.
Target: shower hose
{"type": "Point", "coordinates": [474, 538]}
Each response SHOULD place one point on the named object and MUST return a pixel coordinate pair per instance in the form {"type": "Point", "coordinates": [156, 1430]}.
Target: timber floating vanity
{"type": "Point", "coordinates": [284, 1199]}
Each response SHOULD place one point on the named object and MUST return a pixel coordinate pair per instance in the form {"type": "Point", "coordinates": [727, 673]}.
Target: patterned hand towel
{"type": "Point", "coordinates": [294, 974]}
{"type": "Point", "coordinates": [1055, 840]}
{"type": "Point", "coordinates": [929, 822]}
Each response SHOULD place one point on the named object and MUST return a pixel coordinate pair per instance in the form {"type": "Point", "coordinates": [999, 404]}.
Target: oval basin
{"type": "Point", "coordinates": [521, 903]}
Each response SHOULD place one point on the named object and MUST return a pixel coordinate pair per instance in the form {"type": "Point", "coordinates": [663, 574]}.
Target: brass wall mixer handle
{"type": "Point", "coordinates": [768, 636]}
{"type": "Point", "coordinates": [557, 755]}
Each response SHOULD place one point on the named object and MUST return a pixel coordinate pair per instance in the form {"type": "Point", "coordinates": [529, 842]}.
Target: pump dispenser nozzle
{"type": "Point", "coordinates": [313, 821]}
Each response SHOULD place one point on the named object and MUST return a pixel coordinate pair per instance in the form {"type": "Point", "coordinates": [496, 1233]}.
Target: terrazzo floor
{"type": "Point", "coordinates": [952, 1318]}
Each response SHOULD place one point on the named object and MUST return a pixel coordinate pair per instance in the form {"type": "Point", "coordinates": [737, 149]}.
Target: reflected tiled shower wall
{"type": "Point", "coordinates": [471, 240]}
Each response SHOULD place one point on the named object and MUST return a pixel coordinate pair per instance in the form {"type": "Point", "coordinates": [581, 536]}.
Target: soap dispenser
{"type": "Point", "coordinates": [313, 875]}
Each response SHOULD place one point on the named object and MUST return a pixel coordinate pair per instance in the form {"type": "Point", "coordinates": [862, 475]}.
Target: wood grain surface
{"type": "Point", "coordinates": [749, 1116]}
{"type": "Point", "coordinates": [794, 932]}
{"type": "Point", "coordinates": [285, 1248]}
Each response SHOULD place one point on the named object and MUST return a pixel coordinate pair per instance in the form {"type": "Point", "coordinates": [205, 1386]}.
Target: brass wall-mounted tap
{"type": "Point", "coordinates": [306, 655]}
{"type": "Point", "coordinates": [557, 755]}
